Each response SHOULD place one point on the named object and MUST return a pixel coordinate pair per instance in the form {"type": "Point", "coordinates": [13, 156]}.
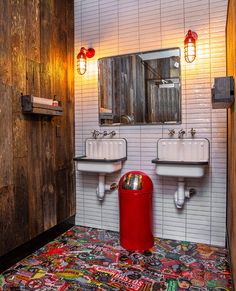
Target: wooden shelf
{"type": "Point", "coordinates": [41, 106]}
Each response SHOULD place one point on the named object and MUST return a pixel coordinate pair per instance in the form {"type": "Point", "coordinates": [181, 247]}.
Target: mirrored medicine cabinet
{"type": "Point", "coordinates": [140, 88]}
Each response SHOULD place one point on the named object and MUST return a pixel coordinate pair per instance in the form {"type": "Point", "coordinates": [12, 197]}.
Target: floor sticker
{"type": "Point", "coordinates": [92, 259]}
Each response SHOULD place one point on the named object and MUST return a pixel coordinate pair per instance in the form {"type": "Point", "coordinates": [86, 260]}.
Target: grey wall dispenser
{"type": "Point", "coordinates": [222, 92]}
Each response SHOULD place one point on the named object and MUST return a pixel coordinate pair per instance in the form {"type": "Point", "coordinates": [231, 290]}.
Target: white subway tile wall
{"type": "Point", "coordinates": [114, 27]}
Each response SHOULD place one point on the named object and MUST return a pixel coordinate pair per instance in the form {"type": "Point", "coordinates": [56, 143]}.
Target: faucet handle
{"type": "Point", "coordinates": [112, 133]}
{"type": "Point", "coordinates": [105, 133]}
{"type": "Point", "coordinates": [95, 133]}
{"type": "Point", "coordinates": [171, 132]}
{"type": "Point", "coordinates": [181, 133]}
{"type": "Point", "coordinates": [192, 132]}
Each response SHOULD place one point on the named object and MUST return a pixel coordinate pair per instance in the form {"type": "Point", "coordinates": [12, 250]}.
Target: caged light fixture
{"type": "Point", "coordinates": [190, 46]}
{"type": "Point", "coordinates": [82, 59]}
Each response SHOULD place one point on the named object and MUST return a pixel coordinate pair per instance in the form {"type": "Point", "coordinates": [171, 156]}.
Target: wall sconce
{"type": "Point", "coordinates": [82, 59]}
{"type": "Point", "coordinates": [190, 46]}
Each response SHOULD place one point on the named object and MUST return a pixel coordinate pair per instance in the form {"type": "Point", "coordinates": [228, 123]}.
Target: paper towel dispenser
{"type": "Point", "coordinates": [223, 92]}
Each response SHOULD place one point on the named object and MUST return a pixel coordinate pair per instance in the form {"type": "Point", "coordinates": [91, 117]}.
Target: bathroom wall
{"type": "Point", "coordinates": [231, 71]}
{"type": "Point", "coordinates": [36, 153]}
{"type": "Point", "coordinates": [116, 27]}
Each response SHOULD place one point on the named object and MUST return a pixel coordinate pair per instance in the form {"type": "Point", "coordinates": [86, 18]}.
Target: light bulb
{"type": "Point", "coordinates": [81, 62]}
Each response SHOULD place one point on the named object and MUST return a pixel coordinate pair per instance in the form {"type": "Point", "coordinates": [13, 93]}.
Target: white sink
{"type": "Point", "coordinates": [182, 158]}
{"type": "Point", "coordinates": [185, 157]}
{"type": "Point", "coordinates": [103, 155]}
{"type": "Point", "coordinates": [99, 165]}
{"type": "Point", "coordinates": [181, 169]}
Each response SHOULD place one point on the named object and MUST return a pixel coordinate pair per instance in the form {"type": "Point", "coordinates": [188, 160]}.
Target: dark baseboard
{"type": "Point", "coordinates": [14, 256]}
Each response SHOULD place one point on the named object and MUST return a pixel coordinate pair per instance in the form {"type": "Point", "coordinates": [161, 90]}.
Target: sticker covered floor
{"type": "Point", "coordinates": [91, 259]}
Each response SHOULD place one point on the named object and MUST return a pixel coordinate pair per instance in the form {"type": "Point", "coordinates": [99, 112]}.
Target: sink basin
{"type": "Point", "coordinates": [102, 155]}
{"type": "Point", "coordinates": [185, 157]}
{"type": "Point", "coordinates": [87, 164]}
{"type": "Point", "coordinates": [180, 169]}
{"type": "Point", "coordinates": [182, 158]}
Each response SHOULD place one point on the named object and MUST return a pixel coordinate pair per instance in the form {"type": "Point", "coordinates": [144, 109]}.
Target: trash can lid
{"type": "Point", "coordinates": [135, 180]}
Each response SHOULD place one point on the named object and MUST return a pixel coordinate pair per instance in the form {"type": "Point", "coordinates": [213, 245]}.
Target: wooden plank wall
{"type": "Point", "coordinates": [36, 153]}
{"type": "Point", "coordinates": [231, 71]}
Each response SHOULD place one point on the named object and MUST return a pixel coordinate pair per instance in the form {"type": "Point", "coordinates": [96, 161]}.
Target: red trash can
{"type": "Point", "coordinates": [135, 200]}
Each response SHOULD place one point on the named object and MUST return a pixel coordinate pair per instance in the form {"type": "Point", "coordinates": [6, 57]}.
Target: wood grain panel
{"type": "Point", "coordinates": [19, 137]}
{"type": "Point", "coordinates": [48, 176]}
{"type": "Point", "coordinates": [34, 124]}
{"type": "Point", "coordinates": [7, 219]}
{"type": "Point", "coordinates": [5, 44]}
{"type": "Point", "coordinates": [21, 197]}
{"type": "Point", "coordinates": [59, 88]}
{"type": "Point", "coordinates": [7, 206]}
{"type": "Point", "coordinates": [16, 202]}
{"type": "Point", "coordinates": [35, 151]}
{"type": "Point", "coordinates": [46, 64]}
{"type": "Point", "coordinates": [48, 139]}
{"type": "Point", "coordinates": [63, 75]}
{"type": "Point", "coordinates": [18, 29]}
{"type": "Point", "coordinates": [70, 118]}
{"type": "Point", "coordinates": [20, 174]}
{"type": "Point", "coordinates": [33, 78]}
{"type": "Point", "coordinates": [6, 149]}
{"type": "Point", "coordinates": [62, 189]}
{"type": "Point", "coordinates": [231, 71]}
{"type": "Point", "coordinates": [36, 173]}
{"type": "Point", "coordinates": [33, 34]}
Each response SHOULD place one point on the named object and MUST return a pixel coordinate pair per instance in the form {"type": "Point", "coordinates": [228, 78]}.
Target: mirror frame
{"type": "Point", "coordinates": [127, 120]}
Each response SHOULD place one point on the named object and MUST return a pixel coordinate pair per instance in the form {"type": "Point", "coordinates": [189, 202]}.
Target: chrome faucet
{"type": "Point", "coordinates": [171, 132]}
{"type": "Point", "coordinates": [95, 134]}
{"type": "Point", "coordinates": [192, 132]}
{"type": "Point", "coordinates": [181, 133]}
